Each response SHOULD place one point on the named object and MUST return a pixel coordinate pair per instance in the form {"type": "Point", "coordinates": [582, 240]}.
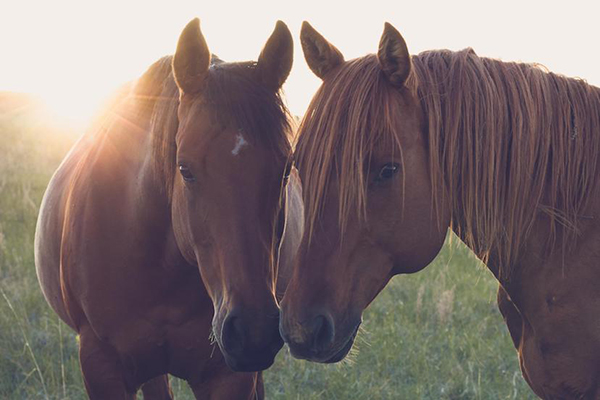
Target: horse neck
{"type": "Point", "coordinates": [509, 143]}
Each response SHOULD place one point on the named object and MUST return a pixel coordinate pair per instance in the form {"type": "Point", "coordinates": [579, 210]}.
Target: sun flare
{"type": "Point", "coordinates": [73, 107]}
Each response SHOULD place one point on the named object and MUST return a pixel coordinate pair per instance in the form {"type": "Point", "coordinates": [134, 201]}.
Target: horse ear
{"type": "Point", "coordinates": [321, 56]}
{"type": "Point", "coordinates": [275, 60]}
{"type": "Point", "coordinates": [393, 56]}
{"type": "Point", "coordinates": [191, 59]}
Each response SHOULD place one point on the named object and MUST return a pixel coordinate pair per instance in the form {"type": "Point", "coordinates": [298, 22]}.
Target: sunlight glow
{"type": "Point", "coordinates": [74, 54]}
{"type": "Point", "coordinates": [74, 109]}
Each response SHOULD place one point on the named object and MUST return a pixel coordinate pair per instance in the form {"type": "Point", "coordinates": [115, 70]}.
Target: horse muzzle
{"type": "Point", "coordinates": [249, 343]}
{"type": "Point", "coordinates": [318, 339]}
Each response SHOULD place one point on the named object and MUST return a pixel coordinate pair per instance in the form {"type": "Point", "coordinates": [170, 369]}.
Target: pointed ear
{"type": "Point", "coordinates": [275, 60]}
{"type": "Point", "coordinates": [321, 56]}
{"type": "Point", "coordinates": [393, 56]}
{"type": "Point", "coordinates": [191, 59]}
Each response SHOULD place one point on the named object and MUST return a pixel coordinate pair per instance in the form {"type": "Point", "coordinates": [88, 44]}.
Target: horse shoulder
{"type": "Point", "coordinates": [559, 300]}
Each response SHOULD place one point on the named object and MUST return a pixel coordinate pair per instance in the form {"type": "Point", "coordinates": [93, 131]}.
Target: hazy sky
{"type": "Point", "coordinates": [74, 53]}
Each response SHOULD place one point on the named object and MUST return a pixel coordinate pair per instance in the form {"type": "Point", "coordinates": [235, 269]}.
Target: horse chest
{"type": "Point", "coordinates": [171, 335]}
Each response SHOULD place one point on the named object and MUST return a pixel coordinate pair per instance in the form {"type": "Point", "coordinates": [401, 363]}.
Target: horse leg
{"type": "Point", "coordinates": [158, 389]}
{"type": "Point", "coordinates": [103, 373]}
{"type": "Point", "coordinates": [260, 386]}
{"type": "Point", "coordinates": [230, 385]}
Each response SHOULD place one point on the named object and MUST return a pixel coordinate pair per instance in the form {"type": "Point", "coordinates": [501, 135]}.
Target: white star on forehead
{"type": "Point", "coordinates": [240, 142]}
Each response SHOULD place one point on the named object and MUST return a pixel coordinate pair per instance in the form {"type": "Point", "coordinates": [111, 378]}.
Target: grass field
{"type": "Point", "coordinates": [433, 335]}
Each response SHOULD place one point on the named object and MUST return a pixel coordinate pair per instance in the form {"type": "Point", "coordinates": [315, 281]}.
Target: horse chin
{"type": "Point", "coordinates": [343, 352]}
{"type": "Point", "coordinates": [252, 360]}
{"type": "Point", "coordinates": [253, 364]}
{"type": "Point", "coordinates": [340, 355]}
{"type": "Point", "coordinates": [331, 357]}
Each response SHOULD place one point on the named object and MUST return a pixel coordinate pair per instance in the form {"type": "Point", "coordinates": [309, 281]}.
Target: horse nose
{"type": "Point", "coordinates": [322, 333]}
{"type": "Point", "coordinates": [233, 336]}
{"type": "Point", "coordinates": [250, 340]}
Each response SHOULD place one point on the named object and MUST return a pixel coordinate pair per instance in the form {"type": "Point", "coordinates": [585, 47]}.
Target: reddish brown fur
{"type": "Point", "coordinates": [535, 129]}
{"type": "Point", "coordinates": [148, 267]}
{"type": "Point", "coordinates": [538, 134]}
{"type": "Point", "coordinates": [230, 93]}
{"type": "Point", "coordinates": [506, 154]}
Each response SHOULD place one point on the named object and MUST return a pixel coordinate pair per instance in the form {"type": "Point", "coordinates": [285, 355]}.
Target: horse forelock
{"type": "Point", "coordinates": [506, 141]}
{"type": "Point", "coordinates": [353, 112]}
{"type": "Point", "coordinates": [233, 94]}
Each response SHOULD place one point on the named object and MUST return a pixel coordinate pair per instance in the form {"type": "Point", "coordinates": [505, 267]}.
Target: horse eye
{"type": "Point", "coordinates": [186, 173]}
{"type": "Point", "coordinates": [387, 172]}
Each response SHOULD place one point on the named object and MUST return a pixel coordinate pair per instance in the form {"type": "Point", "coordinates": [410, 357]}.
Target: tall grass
{"type": "Point", "coordinates": [38, 357]}
{"type": "Point", "coordinates": [433, 335]}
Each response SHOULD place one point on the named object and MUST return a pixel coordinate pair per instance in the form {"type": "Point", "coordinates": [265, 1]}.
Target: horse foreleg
{"type": "Point", "coordinates": [103, 373]}
{"type": "Point", "coordinates": [158, 389]}
{"type": "Point", "coordinates": [230, 385]}
{"type": "Point", "coordinates": [260, 387]}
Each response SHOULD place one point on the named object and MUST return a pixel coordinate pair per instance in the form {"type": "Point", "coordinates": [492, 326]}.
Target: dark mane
{"type": "Point", "coordinates": [506, 141]}
{"type": "Point", "coordinates": [232, 92]}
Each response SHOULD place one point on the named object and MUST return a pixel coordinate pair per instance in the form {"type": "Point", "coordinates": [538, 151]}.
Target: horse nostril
{"type": "Point", "coordinates": [232, 335]}
{"type": "Point", "coordinates": [322, 333]}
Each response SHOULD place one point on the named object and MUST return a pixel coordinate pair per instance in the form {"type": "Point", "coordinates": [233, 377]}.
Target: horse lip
{"type": "Point", "coordinates": [249, 367]}
{"type": "Point", "coordinates": [338, 354]}
{"type": "Point", "coordinates": [256, 361]}
{"type": "Point", "coordinates": [344, 350]}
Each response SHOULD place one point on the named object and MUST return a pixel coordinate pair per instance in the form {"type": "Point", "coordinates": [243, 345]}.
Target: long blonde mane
{"type": "Point", "coordinates": [507, 141]}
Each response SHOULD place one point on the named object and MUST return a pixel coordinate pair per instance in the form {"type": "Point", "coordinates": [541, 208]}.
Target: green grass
{"type": "Point", "coordinates": [433, 335]}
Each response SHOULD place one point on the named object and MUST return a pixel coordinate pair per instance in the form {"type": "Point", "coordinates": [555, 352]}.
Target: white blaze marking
{"type": "Point", "coordinates": [239, 143]}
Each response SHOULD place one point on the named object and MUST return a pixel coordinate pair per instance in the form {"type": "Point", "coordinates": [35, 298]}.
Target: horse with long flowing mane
{"type": "Point", "coordinates": [166, 227]}
{"type": "Point", "coordinates": [394, 150]}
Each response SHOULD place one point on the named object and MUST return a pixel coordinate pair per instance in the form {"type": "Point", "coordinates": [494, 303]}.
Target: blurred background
{"type": "Point", "coordinates": [434, 335]}
{"type": "Point", "coordinates": [74, 53]}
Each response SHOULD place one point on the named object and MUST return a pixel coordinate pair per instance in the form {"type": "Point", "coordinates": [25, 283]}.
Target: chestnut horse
{"type": "Point", "coordinates": [159, 233]}
{"type": "Point", "coordinates": [394, 150]}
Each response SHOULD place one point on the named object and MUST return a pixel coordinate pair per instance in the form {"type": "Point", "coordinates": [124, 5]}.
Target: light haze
{"type": "Point", "coordinates": [75, 53]}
